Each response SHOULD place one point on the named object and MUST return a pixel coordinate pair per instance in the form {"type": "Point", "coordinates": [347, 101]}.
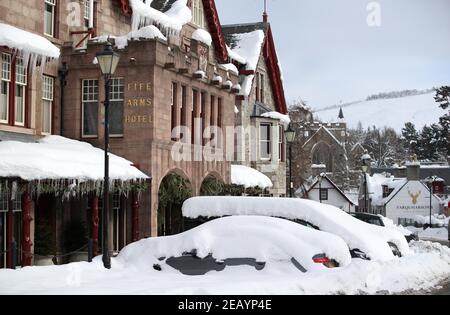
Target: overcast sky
{"type": "Point", "coordinates": [330, 54]}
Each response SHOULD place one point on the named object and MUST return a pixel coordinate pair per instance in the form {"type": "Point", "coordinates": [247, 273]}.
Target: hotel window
{"type": "Point", "coordinates": [213, 112]}
{"type": "Point", "coordinates": [219, 122]}
{"type": "Point", "coordinates": [47, 104]}
{"type": "Point", "coordinates": [90, 108]}
{"type": "Point", "coordinates": [183, 106]}
{"type": "Point", "coordinates": [4, 87]}
{"type": "Point", "coordinates": [260, 87]}
{"type": "Point", "coordinates": [194, 114]}
{"type": "Point", "coordinates": [265, 141]}
{"type": "Point", "coordinates": [88, 13]}
{"type": "Point", "coordinates": [281, 153]}
{"type": "Point", "coordinates": [174, 108]}
{"type": "Point", "coordinates": [198, 14]}
{"type": "Point", "coordinates": [203, 116]}
{"type": "Point", "coordinates": [116, 96]}
{"type": "Point", "coordinates": [21, 88]}
{"type": "Point", "coordinates": [49, 17]}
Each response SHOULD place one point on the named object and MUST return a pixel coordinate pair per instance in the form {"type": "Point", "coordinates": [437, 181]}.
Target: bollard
{"type": "Point", "coordinates": [90, 250]}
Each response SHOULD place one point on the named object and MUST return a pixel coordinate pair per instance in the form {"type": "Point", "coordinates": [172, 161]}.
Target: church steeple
{"type": "Point", "coordinates": [341, 114]}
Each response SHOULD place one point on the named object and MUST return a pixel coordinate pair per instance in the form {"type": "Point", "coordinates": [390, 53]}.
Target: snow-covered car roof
{"type": "Point", "coordinates": [264, 239]}
{"type": "Point", "coordinates": [372, 240]}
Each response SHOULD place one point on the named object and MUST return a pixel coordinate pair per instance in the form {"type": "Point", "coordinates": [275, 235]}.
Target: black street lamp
{"type": "Point", "coordinates": [108, 61]}
{"type": "Point", "coordinates": [290, 138]}
{"type": "Point", "coordinates": [431, 181]}
{"type": "Point", "coordinates": [366, 159]}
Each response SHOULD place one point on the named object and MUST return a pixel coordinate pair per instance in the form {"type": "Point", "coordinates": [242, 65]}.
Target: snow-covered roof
{"type": "Point", "coordinates": [27, 43]}
{"type": "Point", "coordinates": [247, 47]}
{"type": "Point", "coordinates": [230, 68]}
{"type": "Point", "coordinates": [372, 240]}
{"type": "Point", "coordinates": [375, 185]}
{"type": "Point", "coordinates": [202, 36]}
{"type": "Point", "coordinates": [284, 119]}
{"type": "Point", "coordinates": [264, 239]}
{"type": "Point", "coordinates": [170, 21]}
{"type": "Point", "coordinates": [146, 32]}
{"type": "Point", "coordinates": [55, 157]}
{"type": "Point", "coordinates": [249, 177]}
{"type": "Point", "coordinates": [235, 56]}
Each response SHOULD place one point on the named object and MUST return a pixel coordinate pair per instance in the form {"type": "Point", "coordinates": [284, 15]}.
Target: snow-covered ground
{"type": "Point", "coordinates": [419, 109]}
{"type": "Point", "coordinates": [426, 267]}
{"type": "Point", "coordinates": [437, 234]}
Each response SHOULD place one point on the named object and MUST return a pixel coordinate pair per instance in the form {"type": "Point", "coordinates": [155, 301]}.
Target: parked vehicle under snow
{"type": "Point", "coordinates": [364, 240]}
{"type": "Point", "coordinates": [239, 241]}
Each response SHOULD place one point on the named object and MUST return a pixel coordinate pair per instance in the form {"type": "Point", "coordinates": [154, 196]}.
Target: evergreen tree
{"type": "Point", "coordinates": [443, 98]}
{"type": "Point", "coordinates": [410, 139]}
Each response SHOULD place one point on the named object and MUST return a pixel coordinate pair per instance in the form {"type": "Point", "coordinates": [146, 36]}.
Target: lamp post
{"type": "Point", "coordinates": [366, 159]}
{"type": "Point", "coordinates": [108, 61]}
{"type": "Point", "coordinates": [290, 137]}
{"type": "Point", "coordinates": [431, 180]}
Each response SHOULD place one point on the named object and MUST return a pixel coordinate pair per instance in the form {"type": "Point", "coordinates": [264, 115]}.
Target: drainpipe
{"type": "Point", "coordinates": [62, 79]}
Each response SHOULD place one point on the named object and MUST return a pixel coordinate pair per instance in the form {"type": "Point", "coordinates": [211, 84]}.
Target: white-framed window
{"type": "Point", "coordinates": [21, 88]}
{"type": "Point", "coordinates": [47, 103]}
{"type": "Point", "coordinates": [4, 87]}
{"type": "Point", "coordinates": [265, 141]}
{"type": "Point", "coordinates": [88, 13]}
{"type": "Point", "coordinates": [49, 17]}
{"type": "Point", "coordinates": [116, 96]}
{"type": "Point", "coordinates": [323, 194]}
{"type": "Point", "coordinates": [90, 108]}
{"type": "Point", "coordinates": [198, 17]}
{"type": "Point", "coordinates": [281, 143]}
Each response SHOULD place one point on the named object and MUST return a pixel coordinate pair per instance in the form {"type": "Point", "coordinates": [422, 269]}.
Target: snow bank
{"type": "Point", "coordinates": [249, 177]}
{"type": "Point", "coordinates": [372, 240]}
{"type": "Point", "coordinates": [170, 22]}
{"type": "Point", "coordinates": [284, 119]}
{"type": "Point", "coordinates": [262, 238]}
{"type": "Point", "coordinates": [390, 224]}
{"type": "Point", "coordinates": [202, 36]}
{"type": "Point", "coordinates": [435, 234]}
{"type": "Point", "coordinates": [147, 32]}
{"type": "Point", "coordinates": [55, 157]}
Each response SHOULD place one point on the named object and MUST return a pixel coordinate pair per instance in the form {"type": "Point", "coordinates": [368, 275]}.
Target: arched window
{"type": "Point", "coordinates": [322, 155]}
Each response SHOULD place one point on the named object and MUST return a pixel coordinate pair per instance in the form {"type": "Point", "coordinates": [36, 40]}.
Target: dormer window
{"type": "Point", "coordinates": [259, 87]}
{"type": "Point", "coordinates": [198, 17]}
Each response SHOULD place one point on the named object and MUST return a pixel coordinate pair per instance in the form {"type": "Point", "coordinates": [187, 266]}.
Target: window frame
{"type": "Point", "coordinates": [48, 97]}
{"type": "Point", "coordinates": [89, 101]}
{"type": "Point", "coordinates": [52, 4]}
{"type": "Point", "coordinates": [322, 192]}
{"type": "Point", "coordinates": [173, 109]}
{"type": "Point", "coordinates": [281, 147]}
{"type": "Point", "coordinates": [268, 141]}
{"type": "Point", "coordinates": [21, 81]}
{"type": "Point", "coordinates": [117, 96]}
{"type": "Point", "coordinates": [198, 16]}
{"type": "Point", "coordinates": [5, 78]}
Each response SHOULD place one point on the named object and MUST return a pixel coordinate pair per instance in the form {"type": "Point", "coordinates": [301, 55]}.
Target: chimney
{"type": "Point", "coordinates": [318, 169]}
{"type": "Point", "coordinates": [413, 170]}
{"type": "Point", "coordinates": [265, 15]}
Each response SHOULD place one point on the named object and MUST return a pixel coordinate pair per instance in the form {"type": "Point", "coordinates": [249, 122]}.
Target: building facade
{"type": "Point", "coordinates": [169, 76]}
{"type": "Point", "coordinates": [260, 140]}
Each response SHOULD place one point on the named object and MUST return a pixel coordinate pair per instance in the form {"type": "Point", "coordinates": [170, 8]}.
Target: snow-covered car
{"type": "Point", "coordinates": [256, 241]}
{"type": "Point", "coordinates": [379, 220]}
{"type": "Point", "coordinates": [364, 240]}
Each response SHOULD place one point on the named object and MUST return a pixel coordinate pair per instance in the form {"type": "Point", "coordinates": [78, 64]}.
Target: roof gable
{"type": "Point", "coordinates": [211, 15]}
{"type": "Point", "coordinates": [268, 52]}
{"type": "Point", "coordinates": [316, 182]}
{"type": "Point", "coordinates": [319, 133]}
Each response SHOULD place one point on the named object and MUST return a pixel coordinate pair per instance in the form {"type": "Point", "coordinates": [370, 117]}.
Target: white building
{"type": "Point", "coordinates": [399, 199]}
{"type": "Point", "coordinates": [322, 189]}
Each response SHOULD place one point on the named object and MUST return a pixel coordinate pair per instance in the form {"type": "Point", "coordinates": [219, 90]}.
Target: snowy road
{"type": "Point", "coordinates": [425, 269]}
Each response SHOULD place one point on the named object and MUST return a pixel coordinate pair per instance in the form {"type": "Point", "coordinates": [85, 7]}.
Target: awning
{"type": "Point", "coordinates": [66, 165]}
{"type": "Point", "coordinates": [27, 43]}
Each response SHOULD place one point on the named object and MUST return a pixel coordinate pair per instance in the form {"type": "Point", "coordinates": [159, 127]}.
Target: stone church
{"type": "Point", "coordinates": [323, 146]}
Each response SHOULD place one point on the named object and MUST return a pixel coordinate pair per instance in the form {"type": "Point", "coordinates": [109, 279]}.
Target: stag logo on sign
{"type": "Point", "coordinates": [414, 196]}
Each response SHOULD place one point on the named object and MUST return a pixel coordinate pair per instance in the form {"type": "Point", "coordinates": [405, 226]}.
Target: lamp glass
{"type": "Point", "coordinates": [108, 61]}
{"type": "Point", "coordinates": [365, 168]}
{"type": "Point", "coordinates": [290, 135]}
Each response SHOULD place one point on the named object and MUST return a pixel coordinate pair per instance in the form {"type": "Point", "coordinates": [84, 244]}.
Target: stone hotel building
{"type": "Point", "coordinates": [176, 69]}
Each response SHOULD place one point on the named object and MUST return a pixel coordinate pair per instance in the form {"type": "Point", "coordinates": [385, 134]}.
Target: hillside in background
{"type": "Point", "coordinates": [420, 109]}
